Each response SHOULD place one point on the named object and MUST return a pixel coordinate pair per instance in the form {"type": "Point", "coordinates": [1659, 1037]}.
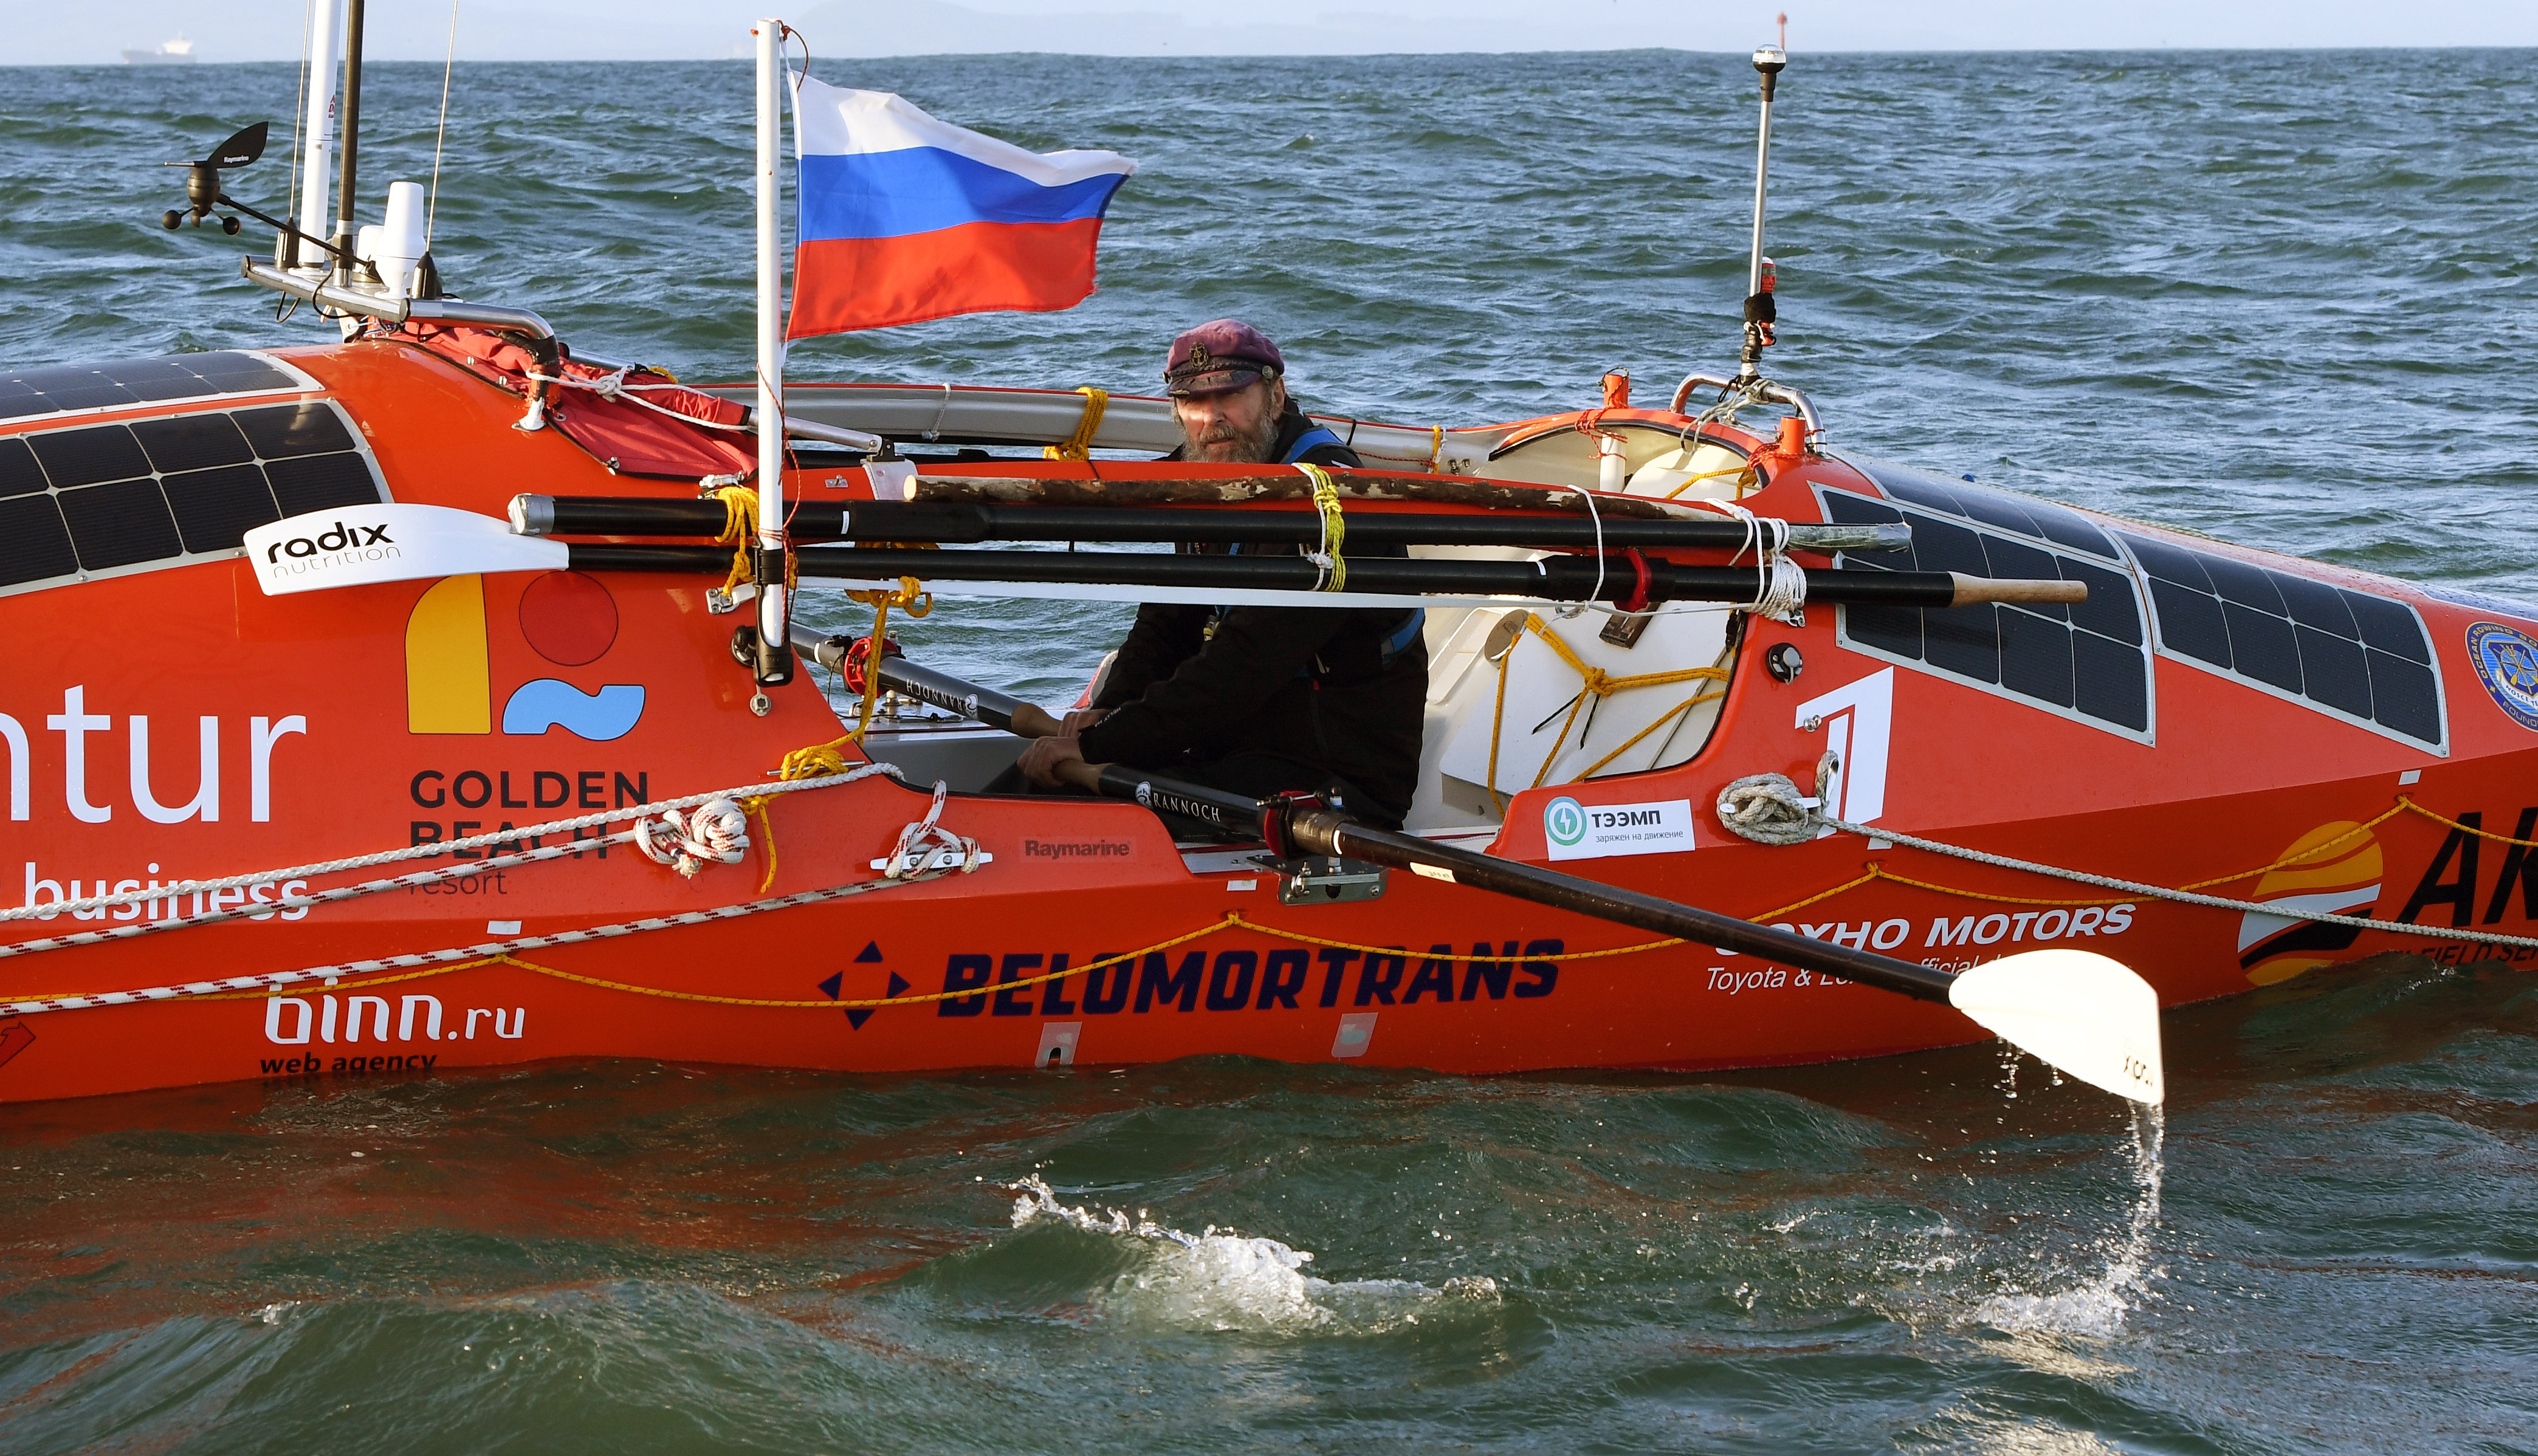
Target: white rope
{"type": "Point", "coordinates": [1571, 609]}
{"type": "Point", "coordinates": [272, 979]}
{"type": "Point", "coordinates": [1779, 584]}
{"type": "Point", "coordinates": [614, 386]}
{"type": "Point", "coordinates": [258, 910]}
{"type": "Point", "coordinates": [919, 843]}
{"type": "Point", "coordinates": [432, 850]}
{"type": "Point", "coordinates": [1757, 794]}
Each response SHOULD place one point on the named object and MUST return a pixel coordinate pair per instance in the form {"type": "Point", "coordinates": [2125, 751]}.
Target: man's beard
{"type": "Point", "coordinates": [1223, 447]}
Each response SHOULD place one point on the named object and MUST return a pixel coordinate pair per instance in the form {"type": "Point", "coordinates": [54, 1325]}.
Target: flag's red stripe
{"type": "Point", "coordinates": [871, 283]}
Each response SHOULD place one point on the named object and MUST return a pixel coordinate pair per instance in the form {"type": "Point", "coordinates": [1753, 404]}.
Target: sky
{"type": "Point", "coordinates": [97, 31]}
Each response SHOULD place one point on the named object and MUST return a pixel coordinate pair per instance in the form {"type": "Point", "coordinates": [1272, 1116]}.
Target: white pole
{"type": "Point", "coordinates": [317, 128]}
{"type": "Point", "coordinates": [773, 616]}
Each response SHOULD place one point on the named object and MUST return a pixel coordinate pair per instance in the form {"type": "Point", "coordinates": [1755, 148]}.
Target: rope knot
{"type": "Point", "coordinates": [715, 831]}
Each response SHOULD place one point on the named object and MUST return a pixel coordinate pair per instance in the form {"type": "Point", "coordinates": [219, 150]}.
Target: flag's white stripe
{"type": "Point", "coordinates": [835, 121]}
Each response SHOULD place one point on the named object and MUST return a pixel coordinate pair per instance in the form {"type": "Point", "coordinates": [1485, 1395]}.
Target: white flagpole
{"type": "Point", "coordinates": [775, 653]}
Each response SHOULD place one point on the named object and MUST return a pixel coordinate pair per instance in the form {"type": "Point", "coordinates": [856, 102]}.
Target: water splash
{"type": "Point", "coordinates": [2097, 1305]}
{"type": "Point", "coordinates": [1219, 1279]}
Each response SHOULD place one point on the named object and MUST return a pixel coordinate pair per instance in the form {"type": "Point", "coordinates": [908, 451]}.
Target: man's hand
{"type": "Point", "coordinates": [1041, 757]}
{"type": "Point", "coordinates": [1082, 718]}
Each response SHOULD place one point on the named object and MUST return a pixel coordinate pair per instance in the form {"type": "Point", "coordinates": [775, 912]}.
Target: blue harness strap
{"type": "Point", "coordinates": [1311, 440]}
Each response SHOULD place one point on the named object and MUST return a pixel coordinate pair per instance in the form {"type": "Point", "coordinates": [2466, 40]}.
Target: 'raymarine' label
{"type": "Point", "coordinates": [1578, 830]}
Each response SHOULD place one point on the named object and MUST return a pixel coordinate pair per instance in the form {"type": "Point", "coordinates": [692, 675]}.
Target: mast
{"type": "Point", "coordinates": [345, 189]}
{"type": "Point", "coordinates": [775, 662]}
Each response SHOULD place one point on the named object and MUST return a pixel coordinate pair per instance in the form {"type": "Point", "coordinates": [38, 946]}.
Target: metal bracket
{"type": "Point", "coordinates": [1318, 880]}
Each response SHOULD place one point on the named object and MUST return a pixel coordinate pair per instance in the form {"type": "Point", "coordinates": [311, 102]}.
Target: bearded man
{"type": "Point", "coordinates": [1257, 701]}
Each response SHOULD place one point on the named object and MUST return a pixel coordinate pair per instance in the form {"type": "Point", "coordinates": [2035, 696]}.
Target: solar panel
{"type": "Point", "coordinates": [2001, 510]}
{"type": "Point", "coordinates": [2357, 656]}
{"type": "Point", "coordinates": [163, 492]}
{"type": "Point", "coordinates": [57, 390]}
{"type": "Point", "coordinates": [2088, 661]}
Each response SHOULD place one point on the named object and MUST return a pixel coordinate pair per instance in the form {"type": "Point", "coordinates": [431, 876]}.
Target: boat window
{"type": "Point", "coordinates": [2002, 510]}
{"type": "Point", "coordinates": [2090, 661]}
{"type": "Point", "coordinates": [2360, 657]}
{"type": "Point", "coordinates": [164, 492]}
{"type": "Point", "coordinates": [121, 383]}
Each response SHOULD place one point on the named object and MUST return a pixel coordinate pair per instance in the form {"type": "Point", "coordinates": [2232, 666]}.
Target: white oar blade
{"type": "Point", "coordinates": [2090, 1016]}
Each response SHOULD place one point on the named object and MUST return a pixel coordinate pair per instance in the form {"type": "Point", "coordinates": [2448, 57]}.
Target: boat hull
{"type": "Point", "coordinates": [400, 715]}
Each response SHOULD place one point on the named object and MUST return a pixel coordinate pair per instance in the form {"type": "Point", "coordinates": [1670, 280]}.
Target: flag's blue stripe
{"type": "Point", "coordinates": [925, 189]}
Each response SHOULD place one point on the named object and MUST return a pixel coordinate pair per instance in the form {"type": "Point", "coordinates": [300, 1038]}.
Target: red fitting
{"type": "Point", "coordinates": [1794, 439]}
{"type": "Point", "coordinates": [1617, 389]}
{"type": "Point", "coordinates": [1638, 598]}
{"type": "Point", "coordinates": [858, 656]}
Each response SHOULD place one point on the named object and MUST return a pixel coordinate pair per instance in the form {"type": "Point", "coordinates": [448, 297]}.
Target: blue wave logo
{"type": "Point", "coordinates": [545, 702]}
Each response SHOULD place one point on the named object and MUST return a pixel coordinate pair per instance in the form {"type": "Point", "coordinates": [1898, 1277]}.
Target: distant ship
{"type": "Point", "coordinates": [176, 52]}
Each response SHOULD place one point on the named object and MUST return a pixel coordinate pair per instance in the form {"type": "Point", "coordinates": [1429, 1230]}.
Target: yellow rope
{"type": "Point", "coordinates": [1594, 683]}
{"type": "Point", "coordinates": [1079, 446]}
{"type": "Point", "coordinates": [2405, 803]}
{"type": "Point", "coordinates": [1436, 450]}
{"type": "Point", "coordinates": [909, 596]}
{"type": "Point", "coordinates": [1739, 468]}
{"type": "Point", "coordinates": [739, 531]}
{"type": "Point", "coordinates": [1326, 500]}
{"type": "Point", "coordinates": [805, 762]}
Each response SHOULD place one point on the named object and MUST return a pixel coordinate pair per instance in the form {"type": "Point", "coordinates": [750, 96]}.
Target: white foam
{"type": "Point", "coordinates": [1219, 1280]}
{"type": "Point", "coordinates": [2097, 1305]}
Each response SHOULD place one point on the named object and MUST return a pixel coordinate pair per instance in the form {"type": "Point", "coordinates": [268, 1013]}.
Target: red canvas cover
{"type": "Point", "coordinates": [628, 438]}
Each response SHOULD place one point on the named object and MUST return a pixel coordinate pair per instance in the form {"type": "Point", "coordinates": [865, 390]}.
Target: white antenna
{"type": "Point", "coordinates": [317, 129]}
{"type": "Point", "coordinates": [1761, 311]}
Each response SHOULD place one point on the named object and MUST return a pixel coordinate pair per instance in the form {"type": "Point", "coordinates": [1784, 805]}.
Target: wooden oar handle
{"type": "Point", "coordinates": [1076, 773]}
{"type": "Point", "coordinates": [1030, 720]}
{"type": "Point", "coordinates": [1973, 589]}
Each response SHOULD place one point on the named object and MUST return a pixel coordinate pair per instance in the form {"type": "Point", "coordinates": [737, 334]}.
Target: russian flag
{"type": "Point", "coordinates": [905, 218]}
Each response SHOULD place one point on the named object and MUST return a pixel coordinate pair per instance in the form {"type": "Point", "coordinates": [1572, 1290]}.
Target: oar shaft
{"type": "Point", "coordinates": [1325, 833]}
{"type": "Point", "coordinates": [962, 523]}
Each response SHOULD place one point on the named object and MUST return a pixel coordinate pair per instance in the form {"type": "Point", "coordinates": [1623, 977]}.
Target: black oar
{"type": "Point", "coordinates": [1562, 579]}
{"type": "Point", "coordinates": [2083, 1013]}
{"type": "Point", "coordinates": [965, 523]}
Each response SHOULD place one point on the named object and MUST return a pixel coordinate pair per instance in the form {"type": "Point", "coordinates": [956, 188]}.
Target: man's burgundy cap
{"type": "Point", "coordinates": [1220, 355]}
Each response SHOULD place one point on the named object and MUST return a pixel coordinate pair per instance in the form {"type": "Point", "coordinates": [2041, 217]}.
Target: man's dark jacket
{"type": "Point", "coordinates": [1337, 692]}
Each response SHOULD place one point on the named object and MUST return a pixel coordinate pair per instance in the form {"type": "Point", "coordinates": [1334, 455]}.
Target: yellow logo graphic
{"type": "Point", "coordinates": [2341, 879]}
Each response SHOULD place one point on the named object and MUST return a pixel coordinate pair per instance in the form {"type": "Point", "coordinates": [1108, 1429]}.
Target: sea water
{"type": "Point", "coordinates": [2289, 300]}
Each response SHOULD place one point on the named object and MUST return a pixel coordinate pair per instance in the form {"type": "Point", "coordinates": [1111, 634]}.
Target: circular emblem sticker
{"type": "Point", "coordinates": [2507, 662]}
{"type": "Point", "coordinates": [1563, 820]}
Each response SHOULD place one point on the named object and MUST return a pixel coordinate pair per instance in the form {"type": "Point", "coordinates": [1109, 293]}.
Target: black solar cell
{"type": "Point", "coordinates": [120, 524]}
{"type": "Point", "coordinates": [280, 432]}
{"type": "Point", "coordinates": [215, 508]}
{"type": "Point", "coordinates": [320, 481]}
{"type": "Point", "coordinates": [33, 544]}
{"type": "Point", "coordinates": [20, 475]}
{"type": "Point", "coordinates": [84, 457]}
{"type": "Point", "coordinates": [192, 442]}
